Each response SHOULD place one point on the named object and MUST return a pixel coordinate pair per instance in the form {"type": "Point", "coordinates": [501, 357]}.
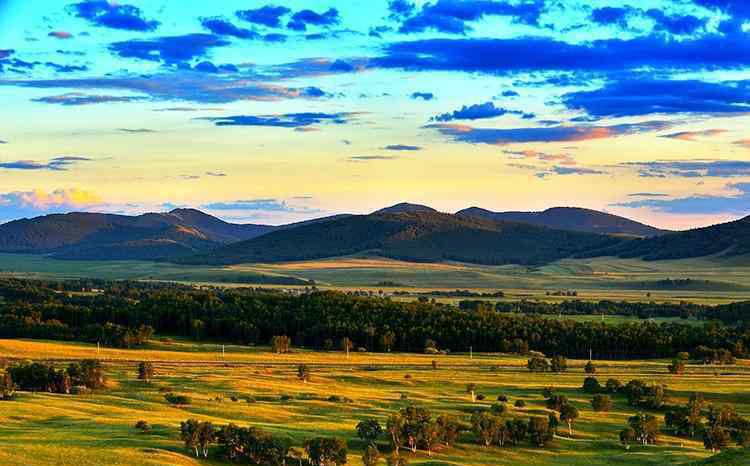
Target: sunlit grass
{"type": "Point", "coordinates": [45, 429]}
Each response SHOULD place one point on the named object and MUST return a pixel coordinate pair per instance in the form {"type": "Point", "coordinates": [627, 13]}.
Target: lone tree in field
{"type": "Point", "coordinates": [371, 456]}
{"type": "Point", "coordinates": [601, 403]}
{"type": "Point", "coordinates": [280, 344]}
{"type": "Point", "coordinates": [145, 371]}
{"type": "Point", "coordinates": [303, 373]}
{"type": "Point", "coordinates": [7, 387]}
{"type": "Point", "coordinates": [677, 367]}
{"type": "Point", "coordinates": [590, 368]}
{"type": "Point", "coordinates": [369, 430]}
{"type": "Point", "coordinates": [471, 389]}
{"type": "Point", "coordinates": [558, 364]}
{"type": "Point", "coordinates": [326, 451]}
{"type": "Point", "coordinates": [569, 414]}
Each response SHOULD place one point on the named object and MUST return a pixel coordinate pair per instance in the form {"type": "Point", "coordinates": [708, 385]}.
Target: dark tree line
{"type": "Point", "coordinates": [126, 315]}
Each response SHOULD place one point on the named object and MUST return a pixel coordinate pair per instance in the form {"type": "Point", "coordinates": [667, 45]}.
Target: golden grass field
{"type": "Point", "coordinates": [89, 430]}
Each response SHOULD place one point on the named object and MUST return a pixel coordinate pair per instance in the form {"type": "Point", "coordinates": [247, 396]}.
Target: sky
{"type": "Point", "coordinates": [272, 112]}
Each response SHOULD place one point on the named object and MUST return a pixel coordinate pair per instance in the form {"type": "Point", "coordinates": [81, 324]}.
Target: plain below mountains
{"type": "Point", "coordinates": [405, 231]}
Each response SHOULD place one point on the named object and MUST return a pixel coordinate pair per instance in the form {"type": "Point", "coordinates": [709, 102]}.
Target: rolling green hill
{"type": "Point", "coordinates": [570, 218]}
{"type": "Point", "coordinates": [104, 236]}
{"type": "Point", "coordinates": [724, 240]}
{"type": "Point", "coordinates": [412, 236]}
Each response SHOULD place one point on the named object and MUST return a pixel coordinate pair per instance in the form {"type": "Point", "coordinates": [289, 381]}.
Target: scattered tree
{"type": "Point", "coordinates": [568, 414]}
{"type": "Point", "coordinates": [601, 403]}
{"type": "Point", "coordinates": [539, 431]}
{"type": "Point", "coordinates": [716, 439]}
{"type": "Point", "coordinates": [558, 364]}
{"type": "Point", "coordinates": [646, 428]}
{"type": "Point", "coordinates": [471, 390]}
{"type": "Point", "coordinates": [369, 430]}
{"type": "Point", "coordinates": [371, 456]}
{"type": "Point", "coordinates": [145, 371]}
{"type": "Point", "coordinates": [324, 451]}
{"type": "Point", "coordinates": [590, 368]}
{"type": "Point", "coordinates": [627, 436]}
{"type": "Point", "coordinates": [538, 364]}
{"type": "Point", "coordinates": [677, 367]}
{"type": "Point", "coordinates": [591, 385]}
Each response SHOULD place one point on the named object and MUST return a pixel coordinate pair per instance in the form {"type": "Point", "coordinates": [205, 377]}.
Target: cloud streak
{"type": "Point", "coordinates": [496, 136]}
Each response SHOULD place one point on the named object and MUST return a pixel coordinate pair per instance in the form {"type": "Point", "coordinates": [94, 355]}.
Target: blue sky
{"type": "Point", "coordinates": [271, 112]}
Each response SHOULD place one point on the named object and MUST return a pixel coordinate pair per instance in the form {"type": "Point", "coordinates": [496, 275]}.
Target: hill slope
{"type": "Point", "coordinates": [105, 236]}
{"type": "Point", "coordinates": [405, 208]}
{"type": "Point", "coordinates": [570, 218]}
{"type": "Point", "coordinates": [726, 239]}
{"type": "Point", "coordinates": [413, 236]}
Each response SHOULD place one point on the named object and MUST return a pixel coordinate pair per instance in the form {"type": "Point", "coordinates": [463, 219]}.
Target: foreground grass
{"type": "Point", "coordinates": [44, 429]}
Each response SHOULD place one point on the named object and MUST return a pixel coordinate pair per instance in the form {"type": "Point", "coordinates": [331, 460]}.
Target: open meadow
{"type": "Point", "coordinates": [711, 281]}
{"type": "Point", "coordinates": [253, 386]}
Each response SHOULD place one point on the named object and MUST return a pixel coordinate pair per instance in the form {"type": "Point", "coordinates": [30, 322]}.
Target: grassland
{"type": "Point", "coordinates": [44, 429]}
{"type": "Point", "coordinates": [715, 281]}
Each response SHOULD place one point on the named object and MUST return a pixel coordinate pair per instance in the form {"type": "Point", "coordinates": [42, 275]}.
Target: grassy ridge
{"type": "Point", "coordinates": [98, 429]}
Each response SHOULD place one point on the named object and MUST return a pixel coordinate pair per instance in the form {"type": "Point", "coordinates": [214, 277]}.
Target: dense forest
{"type": "Point", "coordinates": [126, 314]}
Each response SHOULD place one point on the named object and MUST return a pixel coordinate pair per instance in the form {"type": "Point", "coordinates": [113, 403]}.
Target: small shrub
{"type": "Point", "coordinates": [178, 400]}
{"type": "Point", "coordinates": [502, 398]}
{"type": "Point", "coordinates": [235, 398]}
{"type": "Point", "coordinates": [499, 409]}
{"type": "Point", "coordinates": [480, 396]}
{"type": "Point", "coordinates": [285, 397]}
{"type": "Point", "coordinates": [601, 403]}
{"type": "Point", "coordinates": [591, 385]}
{"type": "Point", "coordinates": [143, 426]}
{"type": "Point", "coordinates": [520, 404]}
{"type": "Point", "coordinates": [404, 396]}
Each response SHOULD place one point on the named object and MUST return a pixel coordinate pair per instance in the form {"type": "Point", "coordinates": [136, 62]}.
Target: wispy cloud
{"type": "Point", "coordinates": [61, 163]}
{"type": "Point", "coordinates": [370, 158]}
{"type": "Point", "coordinates": [495, 136]}
{"type": "Point", "coordinates": [691, 168]}
{"type": "Point", "coordinates": [736, 202]}
{"type": "Point", "coordinates": [75, 99]}
{"type": "Point", "coordinates": [289, 120]}
{"type": "Point", "coordinates": [692, 135]}
{"type": "Point", "coordinates": [402, 147]}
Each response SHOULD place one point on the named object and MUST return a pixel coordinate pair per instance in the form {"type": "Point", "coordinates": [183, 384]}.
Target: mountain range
{"type": "Point", "coordinates": [404, 231]}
